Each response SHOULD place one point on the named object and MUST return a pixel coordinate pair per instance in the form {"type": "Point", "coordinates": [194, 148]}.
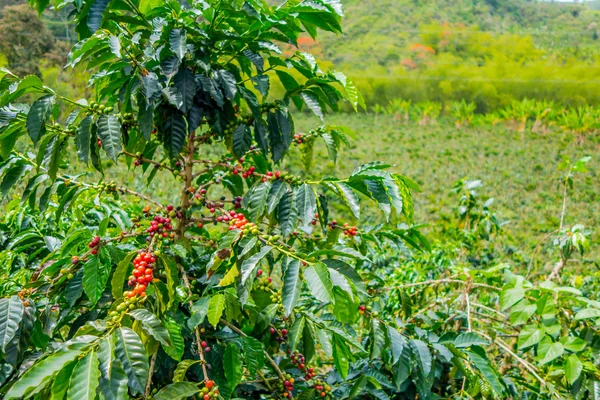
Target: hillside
{"type": "Point", "coordinates": [385, 29]}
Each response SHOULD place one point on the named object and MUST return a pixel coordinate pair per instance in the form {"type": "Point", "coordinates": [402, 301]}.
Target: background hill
{"type": "Point", "coordinates": [483, 51]}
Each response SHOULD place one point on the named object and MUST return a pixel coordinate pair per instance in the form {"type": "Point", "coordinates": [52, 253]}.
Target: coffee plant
{"type": "Point", "coordinates": [256, 283]}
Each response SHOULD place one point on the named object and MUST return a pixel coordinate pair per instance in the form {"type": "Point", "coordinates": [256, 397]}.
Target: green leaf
{"type": "Point", "coordinates": [132, 354]}
{"type": "Point", "coordinates": [177, 391]}
{"type": "Point", "coordinates": [249, 266]}
{"type": "Point", "coordinates": [587, 313]}
{"type": "Point", "coordinates": [11, 314]}
{"type": "Point", "coordinates": [573, 367]}
{"type": "Point", "coordinates": [216, 306]}
{"type": "Point", "coordinates": [573, 344]}
{"type": "Point", "coordinates": [295, 333]}
{"type": "Point", "coordinates": [319, 282]}
{"type": "Point", "coordinates": [306, 203]}
{"type": "Point", "coordinates": [265, 317]}
{"type": "Point", "coordinates": [479, 358]}
{"type": "Point", "coordinates": [529, 336]}
{"type": "Point", "coordinates": [554, 351]}
{"type": "Point", "coordinates": [253, 355]}
{"type": "Point", "coordinates": [341, 356]}
{"type": "Point", "coordinates": [113, 381]}
{"type": "Point", "coordinates": [177, 41]}
{"type": "Point", "coordinates": [95, 277]}
{"type": "Point", "coordinates": [185, 83]}
{"type": "Point", "coordinates": [174, 132]}
{"type": "Point", "coordinates": [262, 84]}
{"type": "Point", "coordinates": [242, 140]}
{"type": "Point", "coordinates": [94, 17]}
{"type": "Point", "coordinates": [255, 200]}
{"type": "Point", "coordinates": [292, 285]}
{"type": "Point", "coordinates": [12, 176]}
{"type": "Point", "coordinates": [59, 388]}
{"type": "Point", "coordinates": [198, 311]}
{"type": "Point", "coordinates": [510, 297]}
{"type": "Point", "coordinates": [469, 339]}
{"type": "Point", "coordinates": [82, 141]}
{"type": "Point", "coordinates": [376, 338]}
{"type": "Point", "coordinates": [85, 378]}
{"type": "Point", "coordinates": [232, 363]}
{"type": "Point", "coordinates": [423, 355]}
{"type": "Point", "coordinates": [152, 325]}
{"type": "Point", "coordinates": [120, 274]}
{"type": "Point", "coordinates": [38, 115]}
{"type": "Point", "coordinates": [287, 213]}
{"type": "Point", "coordinates": [350, 198]}
{"type": "Point", "coordinates": [41, 373]}
{"type": "Point", "coordinates": [181, 370]}
{"type": "Point", "coordinates": [278, 189]}
{"type": "Point", "coordinates": [521, 312]}
{"type": "Point", "coordinates": [311, 101]}
{"type": "Point", "coordinates": [109, 132]}
{"type": "Point", "coordinates": [177, 348]}
{"type": "Point", "coordinates": [397, 342]}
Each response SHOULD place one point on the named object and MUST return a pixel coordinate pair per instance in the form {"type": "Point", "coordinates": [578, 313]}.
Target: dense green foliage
{"type": "Point", "coordinates": [252, 279]}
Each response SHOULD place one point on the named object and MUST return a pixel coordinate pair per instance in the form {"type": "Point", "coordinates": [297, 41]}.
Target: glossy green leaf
{"type": "Point", "coordinates": [109, 132]}
{"type": "Point", "coordinates": [152, 325]}
{"type": "Point", "coordinates": [253, 354]}
{"type": "Point", "coordinates": [11, 314]}
{"type": "Point", "coordinates": [292, 285]}
{"type": "Point", "coordinates": [38, 116]}
{"type": "Point", "coordinates": [216, 306]}
{"type": "Point", "coordinates": [319, 282]}
{"type": "Point", "coordinates": [132, 354]}
{"type": "Point", "coordinates": [232, 363]}
{"type": "Point", "coordinates": [85, 378]}
{"type": "Point", "coordinates": [38, 376]}
{"type": "Point", "coordinates": [177, 391]}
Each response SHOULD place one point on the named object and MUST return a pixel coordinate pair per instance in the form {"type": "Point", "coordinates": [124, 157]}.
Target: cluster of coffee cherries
{"type": "Point", "coordinates": [279, 336]}
{"type": "Point", "coordinates": [160, 226]}
{"type": "Point", "coordinates": [98, 108]}
{"type": "Point", "coordinates": [128, 304]}
{"type": "Point", "coordinates": [205, 346]}
{"type": "Point", "coordinates": [143, 273]}
{"type": "Point", "coordinates": [287, 386]}
{"type": "Point", "coordinates": [322, 388]}
{"type": "Point", "coordinates": [315, 219]}
{"type": "Point", "coordinates": [236, 221]}
{"type": "Point", "coordinates": [284, 176]}
{"type": "Point", "coordinates": [348, 230]}
{"type": "Point", "coordinates": [247, 173]}
{"type": "Point", "coordinates": [128, 119]}
{"type": "Point", "coordinates": [299, 361]}
{"type": "Point", "coordinates": [264, 283]}
{"type": "Point", "coordinates": [276, 298]}
{"type": "Point", "coordinates": [213, 206]}
{"type": "Point", "coordinates": [110, 187]}
{"type": "Point", "coordinates": [174, 212]}
{"type": "Point", "coordinates": [209, 391]}
{"type": "Point", "coordinates": [298, 138]}
{"type": "Point", "coordinates": [237, 202]}
{"type": "Point", "coordinates": [94, 244]}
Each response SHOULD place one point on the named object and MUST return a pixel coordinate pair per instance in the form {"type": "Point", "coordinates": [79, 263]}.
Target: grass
{"type": "Point", "coordinates": [520, 174]}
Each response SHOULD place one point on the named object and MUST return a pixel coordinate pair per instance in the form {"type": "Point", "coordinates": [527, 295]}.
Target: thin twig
{"type": "Point", "coordinates": [151, 371]}
{"type": "Point", "coordinates": [186, 282]}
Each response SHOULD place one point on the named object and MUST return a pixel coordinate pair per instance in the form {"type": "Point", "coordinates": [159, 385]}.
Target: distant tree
{"type": "Point", "coordinates": [25, 39]}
